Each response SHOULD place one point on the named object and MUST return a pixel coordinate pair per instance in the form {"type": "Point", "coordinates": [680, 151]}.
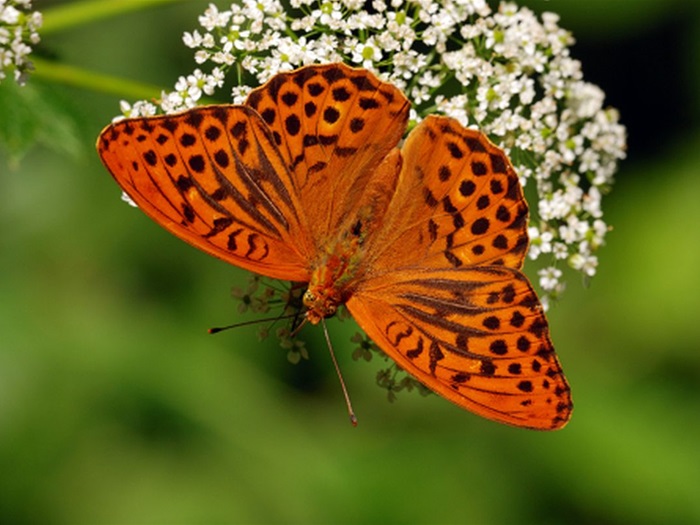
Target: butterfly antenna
{"type": "Point", "coordinates": [351, 412]}
{"type": "Point", "coordinates": [218, 329]}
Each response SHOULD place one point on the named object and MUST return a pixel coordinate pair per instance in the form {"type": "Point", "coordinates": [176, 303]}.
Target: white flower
{"type": "Point", "coordinates": [9, 15]}
{"type": "Point", "coordinates": [584, 261]}
{"type": "Point", "coordinates": [441, 26]}
{"type": "Point", "coordinates": [591, 202]}
{"type": "Point", "coordinates": [18, 29]}
{"type": "Point", "coordinates": [455, 107]}
{"type": "Point", "coordinates": [239, 94]}
{"type": "Point", "coordinates": [585, 99]}
{"type": "Point", "coordinates": [596, 234]}
{"type": "Point", "coordinates": [366, 53]}
{"type": "Point", "coordinates": [560, 250]}
{"type": "Point", "coordinates": [549, 278]}
{"type": "Point", "coordinates": [330, 14]}
{"type": "Point", "coordinates": [554, 206]}
{"type": "Point", "coordinates": [213, 81]}
{"type": "Point", "coordinates": [295, 52]}
{"type": "Point", "coordinates": [540, 242]}
{"type": "Point", "coordinates": [141, 108]}
{"type": "Point", "coordinates": [193, 39]}
{"type": "Point", "coordinates": [574, 230]}
{"type": "Point", "coordinates": [212, 18]}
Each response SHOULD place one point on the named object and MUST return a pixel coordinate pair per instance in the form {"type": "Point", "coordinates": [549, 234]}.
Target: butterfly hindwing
{"type": "Point", "coordinates": [476, 336]}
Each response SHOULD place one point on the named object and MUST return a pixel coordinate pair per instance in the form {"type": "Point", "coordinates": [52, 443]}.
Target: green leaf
{"type": "Point", "coordinates": [32, 115]}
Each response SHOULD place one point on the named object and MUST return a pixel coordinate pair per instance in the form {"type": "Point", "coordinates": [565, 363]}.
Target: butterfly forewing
{"type": "Point", "coordinates": [334, 125]}
{"type": "Point", "coordinates": [213, 177]}
{"type": "Point", "coordinates": [477, 336]}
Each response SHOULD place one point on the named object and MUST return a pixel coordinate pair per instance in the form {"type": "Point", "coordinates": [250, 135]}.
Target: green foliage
{"type": "Point", "coordinates": [35, 115]}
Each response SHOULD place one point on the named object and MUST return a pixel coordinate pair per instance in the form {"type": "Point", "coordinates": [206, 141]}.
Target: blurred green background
{"type": "Point", "coordinates": [117, 407]}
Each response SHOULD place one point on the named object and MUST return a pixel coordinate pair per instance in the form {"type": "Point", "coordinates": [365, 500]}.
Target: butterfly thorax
{"type": "Point", "coordinates": [334, 273]}
{"type": "Point", "coordinates": [321, 303]}
{"type": "Point", "coordinates": [329, 285]}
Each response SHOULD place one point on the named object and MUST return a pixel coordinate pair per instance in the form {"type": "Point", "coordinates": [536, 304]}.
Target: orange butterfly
{"type": "Point", "coordinates": [423, 244]}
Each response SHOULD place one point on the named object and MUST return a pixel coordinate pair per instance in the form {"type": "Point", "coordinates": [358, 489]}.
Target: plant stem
{"type": "Point", "coordinates": [74, 76]}
{"type": "Point", "coordinates": [74, 14]}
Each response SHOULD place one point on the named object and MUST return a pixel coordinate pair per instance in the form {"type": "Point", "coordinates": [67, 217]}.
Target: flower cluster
{"type": "Point", "coordinates": [18, 32]}
{"type": "Point", "coordinates": [263, 295]}
{"type": "Point", "coordinates": [507, 73]}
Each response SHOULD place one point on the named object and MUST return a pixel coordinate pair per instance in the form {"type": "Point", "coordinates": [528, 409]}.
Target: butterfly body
{"type": "Point", "coordinates": [423, 243]}
{"type": "Point", "coordinates": [345, 261]}
{"type": "Point", "coordinates": [334, 274]}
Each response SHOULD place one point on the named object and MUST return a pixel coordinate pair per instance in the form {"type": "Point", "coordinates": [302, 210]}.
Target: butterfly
{"type": "Point", "coordinates": [422, 243]}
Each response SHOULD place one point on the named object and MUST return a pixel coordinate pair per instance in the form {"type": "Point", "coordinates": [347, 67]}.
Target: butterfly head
{"type": "Point", "coordinates": [321, 302]}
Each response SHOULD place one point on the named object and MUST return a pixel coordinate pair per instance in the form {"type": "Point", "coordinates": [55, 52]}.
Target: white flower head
{"type": "Point", "coordinates": [366, 53]}
{"type": "Point", "coordinates": [19, 31]}
{"type": "Point", "coordinates": [549, 278]}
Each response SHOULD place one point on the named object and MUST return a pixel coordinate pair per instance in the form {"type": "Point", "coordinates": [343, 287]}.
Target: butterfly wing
{"type": "Point", "coordinates": [214, 177]}
{"type": "Point", "coordinates": [442, 293]}
{"type": "Point", "coordinates": [476, 335]}
{"type": "Point", "coordinates": [334, 125]}
{"type": "Point", "coordinates": [458, 203]}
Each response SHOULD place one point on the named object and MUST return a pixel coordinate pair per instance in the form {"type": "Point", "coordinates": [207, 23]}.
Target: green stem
{"type": "Point", "coordinates": [67, 16]}
{"type": "Point", "coordinates": [85, 79]}
{"type": "Point", "coordinates": [74, 76]}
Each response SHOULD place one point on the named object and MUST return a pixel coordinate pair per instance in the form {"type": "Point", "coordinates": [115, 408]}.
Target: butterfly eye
{"type": "Point", "coordinates": [309, 298]}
